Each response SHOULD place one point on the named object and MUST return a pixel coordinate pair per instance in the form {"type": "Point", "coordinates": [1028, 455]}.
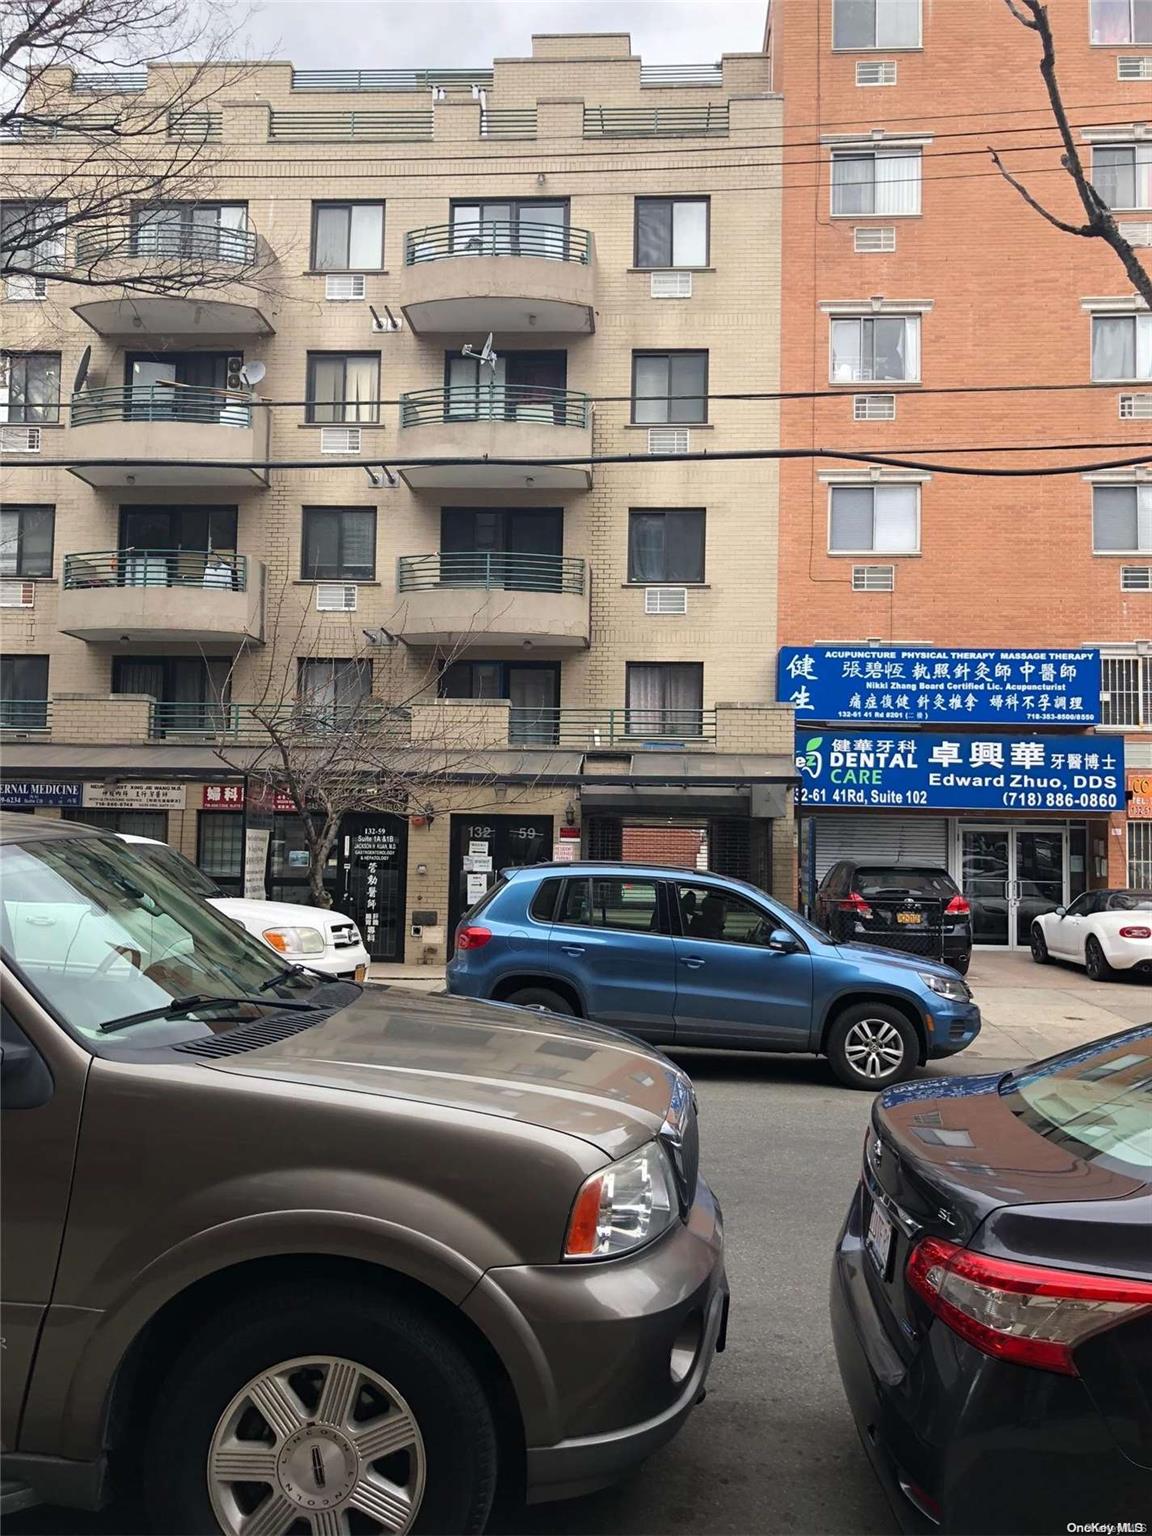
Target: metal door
{"type": "Point", "coordinates": [1010, 876]}
{"type": "Point", "coordinates": [373, 861]}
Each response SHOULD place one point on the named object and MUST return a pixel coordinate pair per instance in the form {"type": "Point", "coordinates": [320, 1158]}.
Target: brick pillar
{"type": "Point", "coordinates": [461, 725]}
{"type": "Point", "coordinates": [94, 718]}
{"type": "Point", "coordinates": [453, 119]}
{"type": "Point", "coordinates": [755, 728]}
{"type": "Point", "coordinates": [560, 118]}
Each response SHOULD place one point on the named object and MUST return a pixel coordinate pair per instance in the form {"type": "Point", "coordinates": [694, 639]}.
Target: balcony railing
{"type": "Point", "coordinates": [25, 714]}
{"type": "Point", "coordinates": [681, 74]}
{"type": "Point", "coordinates": [210, 570]}
{"type": "Point", "coordinates": [164, 402]}
{"type": "Point", "coordinates": [214, 718]}
{"type": "Point", "coordinates": [111, 82]}
{"type": "Point", "coordinates": [341, 80]}
{"type": "Point", "coordinates": [174, 242]}
{"type": "Point", "coordinates": [508, 123]}
{"type": "Point", "coordinates": [655, 122]}
{"type": "Point", "coordinates": [498, 237]}
{"type": "Point", "coordinates": [490, 570]}
{"type": "Point", "coordinates": [530, 726]}
{"type": "Point", "coordinates": [338, 127]}
{"type": "Point", "coordinates": [507, 402]}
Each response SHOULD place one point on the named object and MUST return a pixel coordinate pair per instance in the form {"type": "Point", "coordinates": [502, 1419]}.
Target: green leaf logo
{"type": "Point", "coordinates": [813, 743]}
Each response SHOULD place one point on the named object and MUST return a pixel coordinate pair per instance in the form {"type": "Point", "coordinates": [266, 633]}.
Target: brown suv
{"type": "Point", "coordinates": [287, 1254]}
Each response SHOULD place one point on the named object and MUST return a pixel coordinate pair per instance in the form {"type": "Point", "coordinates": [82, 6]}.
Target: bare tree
{"type": "Point", "coordinates": [1099, 223]}
{"type": "Point", "coordinates": [100, 157]}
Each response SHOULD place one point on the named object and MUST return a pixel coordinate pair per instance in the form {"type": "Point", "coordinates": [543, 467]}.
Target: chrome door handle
{"type": "Point", "coordinates": [573, 949]}
{"type": "Point", "coordinates": [693, 962]}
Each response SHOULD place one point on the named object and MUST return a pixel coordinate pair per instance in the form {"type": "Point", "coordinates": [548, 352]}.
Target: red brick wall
{"type": "Point", "coordinates": [675, 846]}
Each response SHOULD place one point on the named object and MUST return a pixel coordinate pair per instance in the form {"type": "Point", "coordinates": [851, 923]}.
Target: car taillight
{"type": "Point", "coordinates": [1025, 1313]}
{"type": "Point", "coordinates": [473, 937]}
{"type": "Point", "coordinates": [855, 903]}
{"type": "Point", "coordinates": [958, 906]}
{"type": "Point", "coordinates": [1136, 933]}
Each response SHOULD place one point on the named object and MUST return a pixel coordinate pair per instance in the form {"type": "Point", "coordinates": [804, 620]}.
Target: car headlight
{"type": "Point", "coordinates": [296, 941]}
{"type": "Point", "coordinates": [623, 1206]}
{"type": "Point", "coordinates": [953, 988]}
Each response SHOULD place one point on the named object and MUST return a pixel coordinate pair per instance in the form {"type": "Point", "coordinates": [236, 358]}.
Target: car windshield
{"type": "Point", "coordinates": [899, 881]}
{"type": "Point", "coordinates": [1129, 901]}
{"type": "Point", "coordinates": [180, 869]}
{"type": "Point", "coordinates": [1095, 1102]}
{"type": "Point", "coordinates": [102, 934]}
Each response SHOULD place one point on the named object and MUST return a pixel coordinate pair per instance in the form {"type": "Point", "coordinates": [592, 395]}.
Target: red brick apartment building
{"type": "Point", "coordinates": [910, 267]}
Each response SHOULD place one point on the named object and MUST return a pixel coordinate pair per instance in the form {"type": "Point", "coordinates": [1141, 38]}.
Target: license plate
{"type": "Point", "coordinates": [879, 1239]}
{"type": "Point", "coordinates": [909, 917]}
{"type": "Point", "coordinates": [361, 972]}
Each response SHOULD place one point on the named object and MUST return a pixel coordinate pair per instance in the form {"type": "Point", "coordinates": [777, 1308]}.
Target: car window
{"type": "Point", "coordinates": [899, 879]}
{"type": "Point", "coordinates": [828, 885]}
{"type": "Point", "coordinates": [174, 864]}
{"type": "Point", "coordinates": [1081, 906]}
{"type": "Point", "coordinates": [707, 912]}
{"type": "Point", "coordinates": [1127, 901]}
{"type": "Point", "coordinates": [543, 905]}
{"type": "Point", "coordinates": [1092, 1102]}
{"type": "Point", "coordinates": [600, 902]}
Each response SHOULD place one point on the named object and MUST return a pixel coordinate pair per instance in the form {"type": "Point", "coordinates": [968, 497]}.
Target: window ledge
{"type": "Point", "coordinates": [650, 270]}
{"type": "Point", "coordinates": [318, 426]}
{"type": "Point", "coordinates": [874, 386]}
{"type": "Point", "coordinates": [885, 217]}
{"type": "Point", "coordinates": [645, 426]}
{"type": "Point", "coordinates": [867, 48]}
{"type": "Point", "coordinates": [873, 554]}
{"type": "Point", "coordinates": [671, 581]}
{"type": "Point", "coordinates": [344, 581]}
{"type": "Point", "coordinates": [42, 581]}
{"type": "Point", "coordinates": [345, 272]}
{"type": "Point", "coordinates": [1123, 554]}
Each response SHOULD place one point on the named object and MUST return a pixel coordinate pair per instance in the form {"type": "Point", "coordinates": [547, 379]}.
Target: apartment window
{"type": "Point", "coordinates": [30, 387]}
{"type": "Point", "coordinates": [191, 692]}
{"type": "Point", "coordinates": [1121, 21]}
{"type": "Point", "coordinates": [669, 386]}
{"type": "Point", "coordinates": [215, 231]}
{"type": "Point", "coordinates": [26, 540]}
{"type": "Point", "coordinates": [347, 237]}
{"type": "Point", "coordinates": [1122, 174]}
{"type": "Point", "coordinates": [665, 698]}
{"type": "Point", "coordinates": [1122, 348]}
{"type": "Point", "coordinates": [532, 688]}
{"type": "Point", "coordinates": [671, 232]}
{"type": "Point", "coordinates": [1122, 519]}
{"type": "Point", "coordinates": [343, 387]}
{"type": "Point", "coordinates": [874, 519]}
{"type": "Point", "coordinates": [875, 24]}
{"type": "Point", "coordinates": [1126, 683]}
{"type": "Point", "coordinates": [339, 544]}
{"type": "Point", "coordinates": [24, 692]}
{"type": "Point", "coordinates": [666, 544]}
{"type": "Point", "coordinates": [332, 690]}
{"type": "Point", "coordinates": [876, 181]}
{"type": "Point", "coordinates": [512, 227]}
{"type": "Point", "coordinates": [1140, 855]}
{"type": "Point", "coordinates": [876, 348]}
{"type": "Point", "coordinates": [31, 236]}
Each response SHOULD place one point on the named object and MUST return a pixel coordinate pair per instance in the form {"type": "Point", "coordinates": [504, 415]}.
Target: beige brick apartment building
{"type": "Point", "coordinates": [605, 634]}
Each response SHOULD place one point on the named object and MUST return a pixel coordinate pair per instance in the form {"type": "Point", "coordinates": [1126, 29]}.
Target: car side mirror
{"type": "Point", "coordinates": [1061, 911]}
{"type": "Point", "coordinates": [783, 942]}
{"type": "Point", "coordinates": [24, 1075]}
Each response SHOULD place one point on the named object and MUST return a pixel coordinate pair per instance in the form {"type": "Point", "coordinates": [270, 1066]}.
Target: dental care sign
{"type": "Point", "coordinates": [896, 685]}
{"type": "Point", "coordinates": [962, 773]}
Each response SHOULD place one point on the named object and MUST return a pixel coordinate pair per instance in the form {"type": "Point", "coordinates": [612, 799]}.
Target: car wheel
{"type": "Point", "coordinates": [324, 1409]}
{"type": "Point", "coordinates": [1038, 945]}
{"type": "Point", "coordinates": [543, 998]}
{"type": "Point", "coordinates": [871, 1046]}
{"type": "Point", "coordinates": [1095, 964]}
{"type": "Point", "coordinates": [962, 964]}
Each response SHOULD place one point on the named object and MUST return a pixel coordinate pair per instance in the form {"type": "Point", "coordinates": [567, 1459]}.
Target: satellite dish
{"type": "Point", "coordinates": [252, 373]}
{"type": "Point", "coordinates": [485, 357]}
{"type": "Point", "coordinates": [82, 370]}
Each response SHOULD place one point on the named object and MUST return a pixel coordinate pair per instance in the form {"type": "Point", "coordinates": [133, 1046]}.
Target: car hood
{"type": "Point", "coordinates": [482, 1058]}
{"type": "Point", "coordinates": [898, 959]}
{"type": "Point", "coordinates": [277, 914]}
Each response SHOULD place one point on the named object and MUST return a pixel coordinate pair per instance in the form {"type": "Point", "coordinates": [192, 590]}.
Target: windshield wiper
{"type": "Point", "coordinates": [182, 1005]}
{"type": "Point", "coordinates": [286, 975]}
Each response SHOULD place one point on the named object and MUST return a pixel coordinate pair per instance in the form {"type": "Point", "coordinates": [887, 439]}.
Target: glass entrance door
{"type": "Point", "coordinates": [1039, 877]}
{"type": "Point", "coordinates": [1010, 876]}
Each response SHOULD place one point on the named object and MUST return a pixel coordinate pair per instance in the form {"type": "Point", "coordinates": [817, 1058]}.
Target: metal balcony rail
{"type": "Point", "coordinates": [27, 128]}
{"type": "Point", "coordinates": [489, 570]}
{"type": "Point", "coordinates": [223, 719]}
{"type": "Point", "coordinates": [164, 402]}
{"type": "Point", "coordinates": [25, 714]}
{"type": "Point", "coordinates": [608, 727]}
{"type": "Point", "coordinates": [498, 402]}
{"type": "Point", "coordinates": [340, 80]}
{"type": "Point", "coordinates": [111, 81]}
{"type": "Point", "coordinates": [681, 74]}
{"type": "Point", "coordinates": [174, 242]}
{"type": "Point", "coordinates": [508, 123]}
{"type": "Point", "coordinates": [655, 122]}
{"type": "Point", "coordinates": [497, 237]}
{"type": "Point", "coordinates": [337, 127]}
{"type": "Point", "coordinates": [209, 570]}
{"type": "Point", "coordinates": [208, 126]}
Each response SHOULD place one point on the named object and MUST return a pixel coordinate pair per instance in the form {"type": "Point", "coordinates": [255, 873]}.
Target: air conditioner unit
{"type": "Point", "coordinates": [336, 597]}
{"type": "Point", "coordinates": [235, 377]}
{"type": "Point", "coordinates": [1136, 407]}
{"type": "Point", "coordinates": [339, 439]}
{"type": "Point", "coordinates": [1137, 232]}
{"type": "Point", "coordinates": [873, 407]}
{"type": "Point", "coordinates": [17, 594]}
{"type": "Point", "coordinates": [873, 578]}
{"type": "Point", "coordinates": [343, 287]}
{"type": "Point", "coordinates": [1136, 578]}
{"type": "Point", "coordinates": [670, 285]}
{"type": "Point", "coordinates": [19, 439]}
{"type": "Point", "coordinates": [666, 600]}
{"type": "Point", "coordinates": [669, 440]}
{"type": "Point", "coordinates": [24, 286]}
{"type": "Point", "coordinates": [876, 72]}
{"type": "Point", "coordinates": [872, 239]}
{"type": "Point", "coordinates": [1134, 67]}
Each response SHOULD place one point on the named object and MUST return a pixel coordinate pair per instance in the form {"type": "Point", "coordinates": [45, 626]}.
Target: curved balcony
{"type": "Point", "coordinates": [498, 598]}
{"type": "Point", "coordinates": [208, 265]}
{"type": "Point", "coordinates": [169, 434]}
{"type": "Point", "coordinates": [499, 276]}
{"type": "Point", "coordinates": [159, 595]}
{"type": "Point", "coordinates": [520, 423]}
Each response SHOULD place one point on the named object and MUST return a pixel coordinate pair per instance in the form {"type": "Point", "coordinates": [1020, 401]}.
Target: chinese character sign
{"type": "Point", "coordinates": [957, 772]}
{"type": "Point", "coordinates": [902, 685]}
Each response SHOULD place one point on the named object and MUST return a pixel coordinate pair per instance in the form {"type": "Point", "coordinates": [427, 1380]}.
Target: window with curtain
{"type": "Point", "coordinates": [347, 237]}
{"type": "Point", "coordinates": [343, 387]}
{"type": "Point", "coordinates": [875, 24]}
{"type": "Point", "coordinates": [671, 232]}
{"type": "Point", "coordinates": [511, 227]}
{"type": "Point", "coordinates": [1121, 21]}
{"type": "Point", "coordinates": [31, 237]}
{"type": "Point", "coordinates": [216, 231]}
{"type": "Point", "coordinates": [874, 519]}
{"type": "Point", "coordinates": [666, 544]}
{"type": "Point", "coordinates": [1122, 174]}
{"type": "Point", "coordinates": [24, 692]}
{"type": "Point", "coordinates": [339, 544]}
{"type": "Point", "coordinates": [880, 181]}
{"type": "Point", "coordinates": [29, 387]}
{"type": "Point", "coordinates": [26, 540]}
{"type": "Point", "coordinates": [191, 692]}
{"type": "Point", "coordinates": [876, 348]}
{"type": "Point", "coordinates": [331, 690]}
{"type": "Point", "coordinates": [665, 698]}
{"type": "Point", "coordinates": [669, 386]}
{"type": "Point", "coordinates": [1122, 519]}
{"type": "Point", "coordinates": [532, 688]}
{"type": "Point", "coordinates": [1122, 348]}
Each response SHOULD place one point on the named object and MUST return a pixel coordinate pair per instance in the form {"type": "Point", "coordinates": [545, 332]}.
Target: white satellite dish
{"type": "Point", "coordinates": [485, 357]}
{"type": "Point", "coordinates": [252, 373]}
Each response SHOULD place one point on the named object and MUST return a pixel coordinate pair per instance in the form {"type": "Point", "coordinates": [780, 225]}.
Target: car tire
{"type": "Point", "coordinates": [1095, 966]}
{"type": "Point", "coordinates": [871, 1046]}
{"type": "Point", "coordinates": [1038, 945]}
{"type": "Point", "coordinates": [962, 965]}
{"type": "Point", "coordinates": [294, 1347]}
{"type": "Point", "coordinates": [543, 998]}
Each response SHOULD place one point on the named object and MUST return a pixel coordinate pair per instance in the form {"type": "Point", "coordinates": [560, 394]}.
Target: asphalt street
{"type": "Point", "coordinates": [773, 1448]}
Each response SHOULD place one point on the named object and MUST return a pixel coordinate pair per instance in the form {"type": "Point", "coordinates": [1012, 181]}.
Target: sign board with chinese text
{"type": "Point", "coordinates": [125, 796]}
{"type": "Point", "coordinates": [911, 685]}
{"type": "Point", "coordinates": [222, 797]}
{"type": "Point", "coordinates": [1073, 774]}
{"type": "Point", "coordinates": [1140, 790]}
{"type": "Point", "coordinates": [256, 841]}
{"type": "Point", "coordinates": [26, 794]}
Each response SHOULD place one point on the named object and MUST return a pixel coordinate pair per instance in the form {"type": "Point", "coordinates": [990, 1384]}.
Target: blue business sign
{"type": "Point", "coordinates": [26, 794]}
{"type": "Point", "coordinates": [905, 685]}
{"type": "Point", "coordinates": [961, 773]}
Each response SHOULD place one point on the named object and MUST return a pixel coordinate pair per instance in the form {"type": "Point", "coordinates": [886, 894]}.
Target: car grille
{"type": "Point", "coordinates": [344, 936]}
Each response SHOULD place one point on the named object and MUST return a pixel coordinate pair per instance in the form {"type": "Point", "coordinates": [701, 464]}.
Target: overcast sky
{"type": "Point", "coordinates": [390, 34]}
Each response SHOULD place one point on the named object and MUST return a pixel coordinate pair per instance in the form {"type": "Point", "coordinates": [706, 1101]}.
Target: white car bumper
{"type": "Point", "coordinates": [350, 963]}
{"type": "Point", "coordinates": [1126, 954]}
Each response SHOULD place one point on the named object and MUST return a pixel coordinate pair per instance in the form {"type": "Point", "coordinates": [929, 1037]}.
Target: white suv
{"type": "Point", "coordinates": [313, 936]}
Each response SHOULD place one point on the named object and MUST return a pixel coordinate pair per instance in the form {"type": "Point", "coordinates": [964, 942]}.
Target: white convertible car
{"type": "Point", "coordinates": [1104, 931]}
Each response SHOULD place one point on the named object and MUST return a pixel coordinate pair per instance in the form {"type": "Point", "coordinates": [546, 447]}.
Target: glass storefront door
{"type": "Point", "coordinates": [1010, 876]}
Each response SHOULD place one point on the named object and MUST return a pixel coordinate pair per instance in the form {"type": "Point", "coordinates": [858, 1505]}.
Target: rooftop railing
{"type": "Point", "coordinates": [339, 127]}
{"type": "Point", "coordinates": [340, 80]}
{"type": "Point", "coordinates": [655, 122]}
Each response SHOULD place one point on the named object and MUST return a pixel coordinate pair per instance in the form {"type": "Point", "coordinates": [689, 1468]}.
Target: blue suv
{"type": "Point", "coordinates": [679, 957]}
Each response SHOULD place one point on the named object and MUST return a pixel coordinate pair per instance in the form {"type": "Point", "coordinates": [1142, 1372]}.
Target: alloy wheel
{"type": "Point", "coordinates": [1039, 948]}
{"type": "Point", "coordinates": [318, 1445]}
{"type": "Point", "coordinates": [1093, 961]}
{"type": "Point", "coordinates": [875, 1048]}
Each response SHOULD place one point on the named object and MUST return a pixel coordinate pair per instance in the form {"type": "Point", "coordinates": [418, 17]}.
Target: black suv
{"type": "Point", "coordinates": [913, 907]}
